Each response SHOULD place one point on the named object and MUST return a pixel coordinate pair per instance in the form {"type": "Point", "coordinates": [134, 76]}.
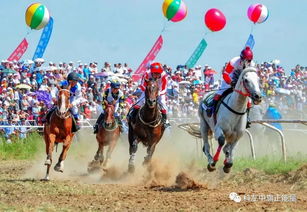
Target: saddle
{"type": "Point", "coordinates": [52, 110]}
{"type": "Point", "coordinates": [208, 101]}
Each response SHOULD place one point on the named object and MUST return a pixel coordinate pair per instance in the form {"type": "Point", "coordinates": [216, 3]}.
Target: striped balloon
{"type": "Point", "coordinates": [258, 13]}
{"type": "Point", "coordinates": [37, 16]}
{"type": "Point", "coordinates": [174, 10]}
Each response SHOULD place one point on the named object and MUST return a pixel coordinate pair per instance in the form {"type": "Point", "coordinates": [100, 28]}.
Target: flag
{"type": "Point", "coordinates": [44, 40]}
{"type": "Point", "coordinates": [250, 41]}
{"type": "Point", "coordinates": [196, 54]}
{"type": "Point", "coordinates": [19, 51]}
{"type": "Point", "coordinates": [148, 59]}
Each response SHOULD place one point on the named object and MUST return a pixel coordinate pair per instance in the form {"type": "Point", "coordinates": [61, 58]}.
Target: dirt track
{"type": "Point", "coordinates": [168, 184]}
{"type": "Point", "coordinates": [21, 193]}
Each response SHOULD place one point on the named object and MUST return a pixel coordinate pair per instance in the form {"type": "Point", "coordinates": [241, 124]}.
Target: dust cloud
{"type": "Point", "coordinates": [177, 154]}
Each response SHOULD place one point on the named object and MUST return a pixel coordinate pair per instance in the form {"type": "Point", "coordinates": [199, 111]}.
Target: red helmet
{"type": "Point", "coordinates": [156, 68]}
{"type": "Point", "coordinates": [247, 54]}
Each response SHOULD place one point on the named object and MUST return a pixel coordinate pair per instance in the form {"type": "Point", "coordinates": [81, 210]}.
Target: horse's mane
{"type": "Point", "coordinates": [248, 69]}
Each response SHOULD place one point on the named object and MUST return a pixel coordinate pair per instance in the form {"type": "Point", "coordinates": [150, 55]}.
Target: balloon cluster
{"type": "Point", "coordinates": [37, 16]}
{"type": "Point", "coordinates": [174, 10]}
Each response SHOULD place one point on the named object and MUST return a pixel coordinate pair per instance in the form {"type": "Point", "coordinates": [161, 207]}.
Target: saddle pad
{"type": "Point", "coordinates": [208, 101]}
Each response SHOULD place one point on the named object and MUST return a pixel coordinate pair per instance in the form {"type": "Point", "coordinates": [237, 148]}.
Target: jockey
{"type": "Point", "coordinates": [75, 97]}
{"type": "Point", "coordinates": [231, 74]}
{"type": "Point", "coordinates": [155, 73]}
{"type": "Point", "coordinates": [114, 96]}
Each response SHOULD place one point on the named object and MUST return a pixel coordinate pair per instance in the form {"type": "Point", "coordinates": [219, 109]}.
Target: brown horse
{"type": "Point", "coordinates": [59, 130]}
{"type": "Point", "coordinates": [147, 126]}
{"type": "Point", "coordinates": [108, 134]}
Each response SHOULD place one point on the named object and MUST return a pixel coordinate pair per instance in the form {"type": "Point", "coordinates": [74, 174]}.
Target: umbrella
{"type": "Point", "coordinates": [8, 71]}
{"type": "Point", "coordinates": [209, 72]}
{"type": "Point", "coordinates": [122, 80]}
{"type": "Point", "coordinates": [102, 74]}
{"type": "Point", "coordinates": [23, 86]}
{"type": "Point", "coordinates": [184, 83]}
{"type": "Point", "coordinates": [121, 76]}
{"type": "Point", "coordinates": [283, 91]}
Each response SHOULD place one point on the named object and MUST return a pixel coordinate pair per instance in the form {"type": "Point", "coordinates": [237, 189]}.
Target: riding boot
{"type": "Point", "coordinates": [248, 122]}
{"type": "Point", "coordinates": [133, 113]}
{"type": "Point", "coordinates": [211, 110]}
{"type": "Point", "coordinates": [99, 120]}
{"type": "Point", "coordinates": [165, 122]}
{"type": "Point", "coordinates": [46, 118]}
{"type": "Point", "coordinates": [120, 124]}
{"type": "Point", "coordinates": [76, 125]}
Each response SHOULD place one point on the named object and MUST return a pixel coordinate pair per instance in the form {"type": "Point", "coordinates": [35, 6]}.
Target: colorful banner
{"type": "Point", "coordinates": [43, 42]}
{"type": "Point", "coordinates": [148, 59]}
{"type": "Point", "coordinates": [19, 51]}
{"type": "Point", "coordinates": [196, 54]}
{"type": "Point", "coordinates": [250, 41]}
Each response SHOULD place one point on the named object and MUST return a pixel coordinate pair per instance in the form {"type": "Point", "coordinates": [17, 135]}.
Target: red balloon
{"type": "Point", "coordinates": [215, 20]}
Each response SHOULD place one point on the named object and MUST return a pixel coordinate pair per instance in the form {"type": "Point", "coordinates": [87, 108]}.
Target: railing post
{"type": "Point", "coordinates": [251, 141]}
{"type": "Point", "coordinates": [283, 143]}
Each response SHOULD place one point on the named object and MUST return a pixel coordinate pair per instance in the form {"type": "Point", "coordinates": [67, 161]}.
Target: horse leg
{"type": "Point", "coordinates": [49, 140]}
{"type": "Point", "coordinates": [99, 154]}
{"type": "Point", "coordinates": [133, 147]}
{"type": "Point", "coordinates": [219, 136]}
{"type": "Point", "coordinates": [109, 152]}
{"type": "Point", "coordinates": [150, 151]}
{"type": "Point", "coordinates": [204, 127]}
{"type": "Point", "coordinates": [228, 162]}
{"type": "Point", "coordinates": [59, 167]}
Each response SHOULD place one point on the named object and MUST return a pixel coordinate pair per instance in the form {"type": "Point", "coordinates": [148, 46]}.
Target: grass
{"type": "Point", "coordinates": [22, 149]}
{"type": "Point", "coordinates": [271, 165]}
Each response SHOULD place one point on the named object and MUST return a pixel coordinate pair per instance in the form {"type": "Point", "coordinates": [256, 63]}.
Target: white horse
{"type": "Point", "coordinates": [231, 118]}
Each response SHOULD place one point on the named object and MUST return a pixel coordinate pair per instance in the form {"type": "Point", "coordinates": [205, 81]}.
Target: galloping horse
{"type": "Point", "coordinates": [108, 134]}
{"type": "Point", "coordinates": [147, 126]}
{"type": "Point", "coordinates": [230, 121]}
{"type": "Point", "coordinates": [59, 130]}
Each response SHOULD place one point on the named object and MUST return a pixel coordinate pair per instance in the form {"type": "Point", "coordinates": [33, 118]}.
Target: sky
{"type": "Point", "coordinates": [125, 30]}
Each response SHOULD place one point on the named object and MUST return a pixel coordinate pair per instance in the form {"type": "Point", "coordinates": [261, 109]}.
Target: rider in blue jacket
{"type": "Point", "coordinates": [75, 98]}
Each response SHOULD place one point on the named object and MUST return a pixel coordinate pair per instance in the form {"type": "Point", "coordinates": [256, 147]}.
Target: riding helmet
{"type": "Point", "coordinates": [73, 76]}
{"type": "Point", "coordinates": [115, 84]}
{"type": "Point", "coordinates": [156, 68]}
{"type": "Point", "coordinates": [247, 54]}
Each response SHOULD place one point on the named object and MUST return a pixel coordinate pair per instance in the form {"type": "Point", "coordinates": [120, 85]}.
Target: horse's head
{"type": "Point", "coordinates": [250, 81]}
{"type": "Point", "coordinates": [151, 93]}
{"type": "Point", "coordinates": [63, 102]}
{"type": "Point", "coordinates": [109, 115]}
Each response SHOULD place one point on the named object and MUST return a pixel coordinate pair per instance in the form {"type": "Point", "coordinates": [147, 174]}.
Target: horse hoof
{"type": "Point", "coordinates": [131, 169]}
{"type": "Point", "coordinates": [226, 170]}
{"type": "Point", "coordinates": [58, 168]}
{"type": "Point", "coordinates": [227, 167]}
{"type": "Point", "coordinates": [47, 162]}
{"type": "Point", "coordinates": [211, 167]}
{"type": "Point", "coordinates": [45, 179]}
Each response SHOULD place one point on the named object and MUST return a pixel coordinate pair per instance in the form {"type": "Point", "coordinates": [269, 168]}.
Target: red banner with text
{"type": "Point", "coordinates": [19, 51]}
{"type": "Point", "coordinates": [148, 59]}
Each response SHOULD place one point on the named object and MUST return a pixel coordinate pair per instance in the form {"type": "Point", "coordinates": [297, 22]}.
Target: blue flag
{"type": "Point", "coordinates": [196, 54]}
{"type": "Point", "coordinates": [43, 42]}
{"type": "Point", "coordinates": [250, 41]}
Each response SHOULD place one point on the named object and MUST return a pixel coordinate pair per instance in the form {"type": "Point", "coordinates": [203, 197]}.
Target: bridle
{"type": "Point", "coordinates": [114, 126]}
{"type": "Point", "coordinates": [247, 94]}
{"type": "Point", "coordinates": [158, 119]}
{"type": "Point", "coordinates": [57, 111]}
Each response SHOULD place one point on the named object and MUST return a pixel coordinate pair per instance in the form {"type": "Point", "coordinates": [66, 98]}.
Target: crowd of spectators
{"type": "Point", "coordinates": [29, 88]}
